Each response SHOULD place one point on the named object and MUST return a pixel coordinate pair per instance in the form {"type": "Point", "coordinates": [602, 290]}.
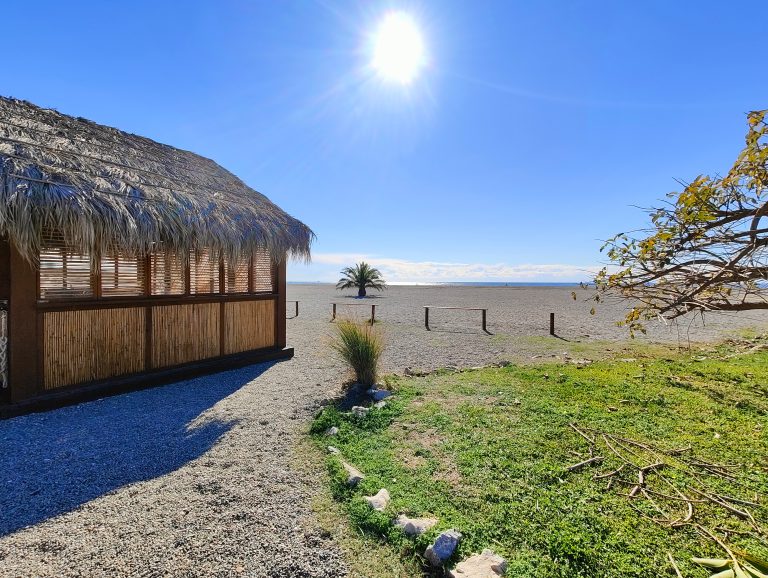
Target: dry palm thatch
{"type": "Point", "coordinates": [106, 190]}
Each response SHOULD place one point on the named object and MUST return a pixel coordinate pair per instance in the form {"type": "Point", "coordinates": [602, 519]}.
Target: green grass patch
{"type": "Point", "coordinates": [486, 452]}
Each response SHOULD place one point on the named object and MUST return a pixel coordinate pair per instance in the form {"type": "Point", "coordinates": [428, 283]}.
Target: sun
{"type": "Point", "coordinates": [398, 49]}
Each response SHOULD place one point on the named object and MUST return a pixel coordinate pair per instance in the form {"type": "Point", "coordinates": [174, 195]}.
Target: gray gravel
{"type": "Point", "coordinates": [195, 478]}
{"type": "Point", "coordinates": [518, 318]}
{"type": "Point", "coordinates": [190, 479]}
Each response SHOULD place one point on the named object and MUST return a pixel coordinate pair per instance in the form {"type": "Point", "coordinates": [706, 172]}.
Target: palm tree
{"type": "Point", "coordinates": [362, 276]}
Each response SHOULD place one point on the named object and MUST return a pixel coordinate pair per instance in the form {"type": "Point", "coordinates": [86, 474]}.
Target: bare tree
{"type": "Point", "coordinates": [707, 248]}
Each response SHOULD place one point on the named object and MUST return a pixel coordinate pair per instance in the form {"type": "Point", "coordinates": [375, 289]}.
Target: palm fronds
{"type": "Point", "coordinates": [362, 276]}
{"type": "Point", "coordinates": [104, 189]}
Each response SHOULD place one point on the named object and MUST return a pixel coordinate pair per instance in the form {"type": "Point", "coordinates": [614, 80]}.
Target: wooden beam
{"type": "Point", "coordinates": [23, 343]}
{"type": "Point", "coordinates": [5, 287]}
{"type": "Point", "coordinates": [280, 338]}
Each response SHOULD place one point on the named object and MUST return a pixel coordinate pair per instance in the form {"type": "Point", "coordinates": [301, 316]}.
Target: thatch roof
{"type": "Point", "coordinates": [105, 189]}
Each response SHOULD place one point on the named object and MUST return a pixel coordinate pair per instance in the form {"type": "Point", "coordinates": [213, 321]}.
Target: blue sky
{"type": "Point", "coordinates": [530, 136]}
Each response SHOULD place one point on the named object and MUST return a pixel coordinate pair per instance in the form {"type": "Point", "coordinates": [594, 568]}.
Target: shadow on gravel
{"type": "Point", "coordinates": [353, 394]}
{"type": "Point", "coordinates": [53, 462]}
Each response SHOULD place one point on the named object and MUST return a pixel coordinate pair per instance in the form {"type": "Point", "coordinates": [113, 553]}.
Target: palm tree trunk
{"type": "Point", "coordinates": [361, 292]}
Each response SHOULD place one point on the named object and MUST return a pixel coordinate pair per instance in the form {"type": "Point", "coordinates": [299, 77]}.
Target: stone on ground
{"type": "Point", "coordinates": [485, 565]}
{"type": "Point", "coordinates": [380, 501]}
{"type": "Point", "coordinates": [380, 404]}
{"type": "Point", "coordinates": [354, 476]}
{"type": "Point", "coordinates": [332, 431]}
{"type": "Point", "coordinates": [360, 411]}
{"type": "Point", "coordinates": [414, 526]}
{"type": "Point", "coordinates": [334, 450]}
{"type": "Point", "coordinates": [443, 547]}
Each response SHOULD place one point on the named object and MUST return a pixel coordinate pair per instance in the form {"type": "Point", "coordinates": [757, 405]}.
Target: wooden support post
{"type": "Point", "coordinates": [23, 342]}
{"type": "Point", "coordinates": [280, 337]}
{"type": "Point", "coordinates": [5, 288]}
{"type": "Point", "coordinates": [373, 314]}
{"type": "Point", "coordinates": [148, 346]}
{"type": "Point", "coordinates": [297, 308]}
{"type": "Point", "coordinates": [484, 319]}
{"type": "Point", "coordinates": [333, 317]}
{"type": "Point", "coordinates": [551, 323]}
{"type": "Point", "coordinates": [426, 317]}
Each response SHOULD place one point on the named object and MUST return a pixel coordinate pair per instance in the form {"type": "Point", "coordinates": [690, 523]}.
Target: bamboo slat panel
{"type": "Point", "coordinates": [185, 333]}
{"type": "Point", "coordinates": [249, 325]}
{"type": "Point", "coordinates": [93, 344]}
{"type": "Point", "coordinates": [263, 273]}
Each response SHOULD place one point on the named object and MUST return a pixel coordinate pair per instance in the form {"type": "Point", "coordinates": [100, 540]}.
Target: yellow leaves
{"type": "Point", "coordinates": [633, 315]}
{"type": "Point", "coordinates": [756, 117]}
{"type": "Point", "coordinates": [707, 218]}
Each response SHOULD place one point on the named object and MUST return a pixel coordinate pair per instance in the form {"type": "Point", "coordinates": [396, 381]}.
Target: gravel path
{"type": "Point", "coordinates": [194, 479]}
{"type": "Point", "coordinates": [190, 479]}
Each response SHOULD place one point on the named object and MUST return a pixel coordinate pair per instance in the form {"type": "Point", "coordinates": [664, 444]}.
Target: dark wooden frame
{"type": "Point", "coordinates": [19, 284]}
{"type": "Point", "coordinates": [483, 309]}
{"type": "Point", "coordinates": [5, 290]}
{"type": "Point", "coordinates": [371, 305]}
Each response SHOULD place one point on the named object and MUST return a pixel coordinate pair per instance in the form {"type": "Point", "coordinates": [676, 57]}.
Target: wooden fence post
{"type": "Point", "coordinates": [551, 323]}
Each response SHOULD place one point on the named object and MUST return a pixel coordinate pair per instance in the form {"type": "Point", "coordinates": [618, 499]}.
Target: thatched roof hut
{"type": "Point", "coordinates": [124, 261]}
{"type": "Point", "coordinates": [103, 189]}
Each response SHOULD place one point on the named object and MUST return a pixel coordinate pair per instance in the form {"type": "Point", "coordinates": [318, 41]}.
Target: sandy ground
{"type": "Point", "coordinates": [518, 323]}
{"type": "Point", "coordinates": [195, 478]}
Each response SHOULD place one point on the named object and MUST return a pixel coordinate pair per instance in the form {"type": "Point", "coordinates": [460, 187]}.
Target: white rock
{"type": "Point", "coordinates": [332, 431]}
{"type": "Point", "coordinates": [485, 565]}
{"type": "Point", "coordinates": [380, 404]}
{"type": "Point", "coordinates": [378, 394]}
{"type": "Point", "coordinates": [380, 501]}
{"type": "Point", "coordinates": [443, 547]}
{"type": "Point", "coordinates": [333, 450]}
{"type": "Point", "coordinates": [354, 476]}
{"type": "Point", "coordinates": [360, 411]}
{"type": "Point", "coordinates": [414, 526]}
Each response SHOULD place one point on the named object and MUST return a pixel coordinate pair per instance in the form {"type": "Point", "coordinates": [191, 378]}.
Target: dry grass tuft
{"type": "Point", "coordinates": [360, 345]}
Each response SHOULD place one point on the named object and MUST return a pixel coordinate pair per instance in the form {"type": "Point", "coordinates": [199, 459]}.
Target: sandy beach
{"type": "Point", "coordinates": [518, 321]}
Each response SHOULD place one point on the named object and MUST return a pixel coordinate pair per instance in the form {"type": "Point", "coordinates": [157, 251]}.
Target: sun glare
{"type": "Point", "coordinates": [398, 50]}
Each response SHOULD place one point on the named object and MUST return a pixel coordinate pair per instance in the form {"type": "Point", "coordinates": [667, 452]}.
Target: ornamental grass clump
{"type": "Point", "coordinates": [360, 345]}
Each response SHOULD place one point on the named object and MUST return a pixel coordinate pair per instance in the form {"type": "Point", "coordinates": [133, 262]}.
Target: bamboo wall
{"type": "Point", "coordinates": [87, 345]}
{"type": "Point", "coordinates": [248, 325]}
{"type": "Point", "coordinates": [184, 333]}
{"type": "Point", "coordinates": [84, 345]}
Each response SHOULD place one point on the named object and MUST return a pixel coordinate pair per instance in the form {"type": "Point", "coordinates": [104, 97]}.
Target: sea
{"type": "Point", "coordinates": [461, 284]}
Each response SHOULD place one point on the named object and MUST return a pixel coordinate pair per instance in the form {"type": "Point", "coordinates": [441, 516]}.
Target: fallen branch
{"type": "Point", "coordinates": [593, 460]}
{"type": "Point", "coordinates": [674, 565]}
{"type": "Point", "coordinates": [581, 433]}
